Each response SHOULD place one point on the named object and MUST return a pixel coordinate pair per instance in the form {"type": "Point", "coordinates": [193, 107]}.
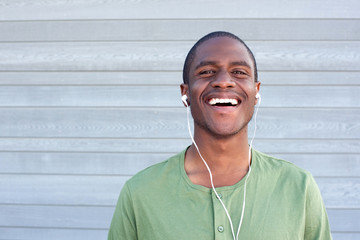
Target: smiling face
{"type": "Point", "coordinates": [221, 87]}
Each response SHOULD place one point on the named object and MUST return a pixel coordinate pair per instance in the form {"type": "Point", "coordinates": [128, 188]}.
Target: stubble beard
{"type": "Point", "coordinates": [227, 134]}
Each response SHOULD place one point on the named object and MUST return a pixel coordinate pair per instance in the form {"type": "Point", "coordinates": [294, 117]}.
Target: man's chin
{"type": "Point", "coordinates": [224, 132]}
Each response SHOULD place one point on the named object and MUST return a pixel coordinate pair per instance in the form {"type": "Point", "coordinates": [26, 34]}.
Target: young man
{"type": "Point", "coordinates": [220, 188]}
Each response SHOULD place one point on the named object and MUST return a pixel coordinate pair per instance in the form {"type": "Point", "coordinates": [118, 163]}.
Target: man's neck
{"type": "Point", "coordinates": [228, 159]}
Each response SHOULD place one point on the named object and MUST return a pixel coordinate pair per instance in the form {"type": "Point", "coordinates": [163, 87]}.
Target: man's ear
{"type": "Point", "coordinates": [184, 89]}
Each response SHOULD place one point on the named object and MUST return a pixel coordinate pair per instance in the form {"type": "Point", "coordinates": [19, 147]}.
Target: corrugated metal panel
{"type": "Point", "coordinates": [129, 9]}
{"type": "Point", "coordinates": [179, 29]}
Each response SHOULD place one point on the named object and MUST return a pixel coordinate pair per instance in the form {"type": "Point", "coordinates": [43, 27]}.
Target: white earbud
{"type": "Point", "coordinates": [258, 97]}
{"type": "Point", "coordinates": [184, 100]}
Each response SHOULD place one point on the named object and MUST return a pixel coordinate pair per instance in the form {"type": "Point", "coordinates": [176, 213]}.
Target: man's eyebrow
{"type": "Point", "coordinates": [213, 63]}
{"type": "Point", "coordinates": [241, 63]}
{"type": "Point", "coordinates": [205, 63]}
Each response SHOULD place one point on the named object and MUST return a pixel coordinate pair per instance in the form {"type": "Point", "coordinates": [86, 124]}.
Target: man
{"type": "Point", "coordinates": [201, 192]}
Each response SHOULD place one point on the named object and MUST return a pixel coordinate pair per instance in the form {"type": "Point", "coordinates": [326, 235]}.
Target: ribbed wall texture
{"type": "Point", "coordinates": [89, 95]}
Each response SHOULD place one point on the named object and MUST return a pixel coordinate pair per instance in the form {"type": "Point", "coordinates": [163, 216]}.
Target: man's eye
{"type": "Point", "coordinates": [205, 72]}
{"type": "Point", "coordinates": [239, 72]}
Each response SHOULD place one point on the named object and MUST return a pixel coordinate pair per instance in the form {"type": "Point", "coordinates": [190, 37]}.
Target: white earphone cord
{"type": "Point", "coordinates": [211, 177]}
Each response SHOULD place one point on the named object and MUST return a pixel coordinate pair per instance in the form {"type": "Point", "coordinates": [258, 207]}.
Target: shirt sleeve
{"type": "Point", "coordinates": [123, 226]}
{"type": "Point", "coordinates": [317, 224]}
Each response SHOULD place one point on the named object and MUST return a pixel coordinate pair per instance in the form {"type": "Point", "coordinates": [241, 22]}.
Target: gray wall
{"type": "Point", "coordinates": [89, 96]}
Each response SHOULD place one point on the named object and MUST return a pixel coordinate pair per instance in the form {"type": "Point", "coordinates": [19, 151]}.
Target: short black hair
{"type": "Point", "coordinates": [191, 55]}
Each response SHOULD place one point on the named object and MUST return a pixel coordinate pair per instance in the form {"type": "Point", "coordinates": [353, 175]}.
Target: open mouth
{"type": "Point", "coordinates": [223, 102]}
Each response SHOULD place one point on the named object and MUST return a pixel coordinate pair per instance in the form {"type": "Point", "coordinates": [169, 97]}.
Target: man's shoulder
{"type": "Point", "coordinates": [157, 173]}
{"type": "Point", "coordinates": [276, 166]}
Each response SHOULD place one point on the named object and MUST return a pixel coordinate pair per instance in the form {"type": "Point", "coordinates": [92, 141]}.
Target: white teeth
{"type": "Point", "coordinates": [214, 101]}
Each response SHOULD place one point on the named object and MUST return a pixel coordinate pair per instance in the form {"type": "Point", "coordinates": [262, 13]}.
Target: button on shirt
{"type": "Point", "coordinates": [230, 197]}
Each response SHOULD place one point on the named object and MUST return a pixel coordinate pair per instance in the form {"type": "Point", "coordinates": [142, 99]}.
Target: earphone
{"type": "Point", "coordinates": [258, 97]}
{"type": "Point", "coordinates": [184, 100]}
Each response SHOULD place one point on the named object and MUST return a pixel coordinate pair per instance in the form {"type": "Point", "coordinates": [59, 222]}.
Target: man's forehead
{"type": "Point", "coordinates": [211, 49]}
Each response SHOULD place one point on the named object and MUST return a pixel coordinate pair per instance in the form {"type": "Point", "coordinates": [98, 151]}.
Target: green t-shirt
{"type": "Point", "coordinates": [160, 202]}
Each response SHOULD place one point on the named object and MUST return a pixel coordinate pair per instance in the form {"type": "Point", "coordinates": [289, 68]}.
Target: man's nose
{"type": "Point", "coordinates": [223, 80]}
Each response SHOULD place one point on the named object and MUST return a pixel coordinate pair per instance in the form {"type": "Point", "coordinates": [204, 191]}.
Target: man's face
{"type": "Point", "coordinates": [221, 87]}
